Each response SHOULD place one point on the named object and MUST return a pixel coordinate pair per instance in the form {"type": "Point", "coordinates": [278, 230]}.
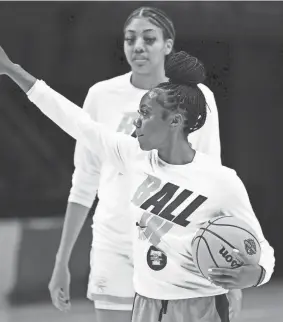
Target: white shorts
{"type": "Point", "coordinates": [110, 283]}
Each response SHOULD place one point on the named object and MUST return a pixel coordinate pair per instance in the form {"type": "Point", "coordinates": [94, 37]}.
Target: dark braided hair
{"type": "Point", "coordinates": [158, 18]}
{"type": "Point", "coordinates": [181, 93]}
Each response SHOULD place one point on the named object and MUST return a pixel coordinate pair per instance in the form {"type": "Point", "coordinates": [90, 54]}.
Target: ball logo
{"type": "Point", "coordinates": [250, 246]}
{"type": "Point", "coordinates": [229, 258]}
{"type": "Point", "coordinates": [156, 259]}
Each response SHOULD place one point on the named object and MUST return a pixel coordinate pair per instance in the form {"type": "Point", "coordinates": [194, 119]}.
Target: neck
{"type": "Point", "coordinates": [148, 81]}
{"type": "Point", "coordinates": [177, 153]}
{"type": "Point", "coordinates": [177, 150]}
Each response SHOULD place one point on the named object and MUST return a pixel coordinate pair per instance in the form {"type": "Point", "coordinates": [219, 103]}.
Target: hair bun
{"type": "Point", "coordinates": [184, 69]}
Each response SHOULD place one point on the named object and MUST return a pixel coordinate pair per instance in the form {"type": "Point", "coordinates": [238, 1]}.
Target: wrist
{"type": "Point", "coordinates": [62, 260]}
{"type": "Point", "coordinates": [11, 69]}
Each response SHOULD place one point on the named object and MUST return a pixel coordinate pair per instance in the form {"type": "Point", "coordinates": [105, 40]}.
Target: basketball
{"type": "Point", "coordinates": [214, 242]}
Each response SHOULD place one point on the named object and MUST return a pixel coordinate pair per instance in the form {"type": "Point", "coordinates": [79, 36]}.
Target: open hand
{"type": "Point", "coordinates": [5, 62]}
{"type": "Point", "coordinates": [235, 278]}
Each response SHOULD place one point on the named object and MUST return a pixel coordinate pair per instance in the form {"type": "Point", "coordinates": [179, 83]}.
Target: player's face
{"type": "Point", "coordinates": [152, 129]}
{"type": "Point", "coordinates": [145, 47]}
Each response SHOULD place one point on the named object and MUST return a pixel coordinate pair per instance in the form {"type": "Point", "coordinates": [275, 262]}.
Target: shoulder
{"type": "Point", "coordinates": [209, 96]}
{"type": "Point", "coordinates": [108, 84]}
{"type": "Point", "coordinates": [225, 179]}
{"type": "Point", "coordinates": [105, 93]}
{"type": "Point", "coordinates": [232, 182]}
{"type": "Point", "coordinates": [222, 173]}
{"type": "Point", "coordinates": [205, 89]}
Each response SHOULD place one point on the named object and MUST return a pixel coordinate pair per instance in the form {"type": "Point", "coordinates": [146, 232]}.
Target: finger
{"type": "Point", "coordinates": [222, 279]}
{"type": "Point", "coordinates": [54, 297]}
{"type": "Point", "coordinates": [240, 256]}
{"type": "Point", "coordinates": [62, 305]}
{"type": "Point", "coordinates": [65, 292]}
{"type": "Point", "coordinates": [225, 282]}
{"type": "Point", "coordinates": [62, 294]}
{"type": "Point", "coordinates": [64, 298]}
{"type": "Point", "coordinates": [222, 271]}
{"type": "Point", "coordinates": [59, 300]}
{"type": "Point", "coordinates": [65, 307]}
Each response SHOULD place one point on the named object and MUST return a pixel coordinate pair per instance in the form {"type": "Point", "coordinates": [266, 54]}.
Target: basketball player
{"type": "Point", "coordinates": [174, 189]}
{"type": "Point", "coordinates": [149, 38]}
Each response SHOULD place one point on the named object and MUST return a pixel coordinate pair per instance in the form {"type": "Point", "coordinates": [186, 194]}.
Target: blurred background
{"type": "Point", "coordinates": [72, 45]}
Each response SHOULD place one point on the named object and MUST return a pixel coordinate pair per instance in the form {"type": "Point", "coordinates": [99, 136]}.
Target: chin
{"type": "Point", "coordinates": [143, 70]}
{"type": "Point", "coordinates": [145, 147]}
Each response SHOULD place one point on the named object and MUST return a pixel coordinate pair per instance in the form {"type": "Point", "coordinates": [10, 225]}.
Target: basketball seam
{"type": "Point", "coordinates": [200, 237]}
{"type": "Point", "coordinates": [194, 239]}
{"type": "Point", "coordinates": [209, 250]}
{"type": "Point", "coordinates": [213, 233]}
{"type": "Point", "coordinates": [239, 228]}
{"type": "Point", "coordinates": [197, 255]}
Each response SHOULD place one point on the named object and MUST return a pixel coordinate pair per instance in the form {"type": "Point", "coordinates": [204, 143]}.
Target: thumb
{"type": "Point", "coordinates": [240, 256]}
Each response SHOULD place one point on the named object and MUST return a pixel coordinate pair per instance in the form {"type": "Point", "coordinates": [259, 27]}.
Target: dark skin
{"type": "Point", "coordinates": [154, 131]}
{"type": "Point", "coordinates": [240, 277]}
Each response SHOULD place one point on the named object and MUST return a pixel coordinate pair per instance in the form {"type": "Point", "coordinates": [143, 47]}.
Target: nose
{"type": "Point", "coordinates": [139, 45]}
{"type": "Point", "coordinates": [138, 122]}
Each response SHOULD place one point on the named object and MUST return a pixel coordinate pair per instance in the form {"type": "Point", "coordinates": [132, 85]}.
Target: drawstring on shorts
{"type": "Point", "coordinates": [163, 310]}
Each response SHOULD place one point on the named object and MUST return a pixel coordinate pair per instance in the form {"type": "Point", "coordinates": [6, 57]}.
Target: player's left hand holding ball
{"type": "Point", "coordinates": [237, 278]}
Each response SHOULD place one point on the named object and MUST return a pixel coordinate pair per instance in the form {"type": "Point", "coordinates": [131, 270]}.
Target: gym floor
{"type": "Point", "coordinates": [261, 305]}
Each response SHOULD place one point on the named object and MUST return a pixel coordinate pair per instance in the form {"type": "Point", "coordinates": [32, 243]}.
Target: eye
{"type": "Point", "coordinates": [143, 113]}
{"type": "Point", "coordinates": [149, 40]}
{"type": "Point", "coordinates": [129, 40]}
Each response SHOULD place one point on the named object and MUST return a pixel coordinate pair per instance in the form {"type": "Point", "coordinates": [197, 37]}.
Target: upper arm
{"type": "Point", "coordinates": [83, 157]}
{"type": "Point", "coordinates": [238, 203]}
{"type": "Point", "coordinates": [118, 148]}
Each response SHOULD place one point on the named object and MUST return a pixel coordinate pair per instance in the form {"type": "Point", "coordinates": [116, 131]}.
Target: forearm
{"type": "Point", "coordinates": [75, 217]}
{"type": "Point", "coordinates": [59, 109]}
{"type": "Point", "coordinates": [21, 77]}
{"type": "Point", "coordinates": [267, 261]}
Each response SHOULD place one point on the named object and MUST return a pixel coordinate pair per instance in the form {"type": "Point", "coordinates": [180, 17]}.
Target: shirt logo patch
{"type": "Point", "coordinates": [156, 259]}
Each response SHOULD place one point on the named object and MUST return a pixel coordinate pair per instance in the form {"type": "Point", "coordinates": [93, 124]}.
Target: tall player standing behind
{"type": "Point", "coordinates": [113, 102]}
{"type": "Point", "coordinates": [149, 37]}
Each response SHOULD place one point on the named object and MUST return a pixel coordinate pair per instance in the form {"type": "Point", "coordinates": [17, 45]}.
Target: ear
{"type": "Point", "coordinates": [168, 46]}
{"type": "Point", "coordinates": [177, 120]}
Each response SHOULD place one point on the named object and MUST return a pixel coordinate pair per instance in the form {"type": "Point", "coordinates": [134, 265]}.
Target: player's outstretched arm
{"type": "Point", "coordinates": [116, 147]}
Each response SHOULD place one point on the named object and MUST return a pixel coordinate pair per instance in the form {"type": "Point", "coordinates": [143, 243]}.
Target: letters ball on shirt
{"type": "Point", "coordinates": [213, 244]}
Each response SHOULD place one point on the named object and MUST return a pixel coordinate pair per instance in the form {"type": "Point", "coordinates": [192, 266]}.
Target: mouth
{"type": "Point", "coordinates": [139, 60]}
{"type": "Point", "coordinates": [139, 135]}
